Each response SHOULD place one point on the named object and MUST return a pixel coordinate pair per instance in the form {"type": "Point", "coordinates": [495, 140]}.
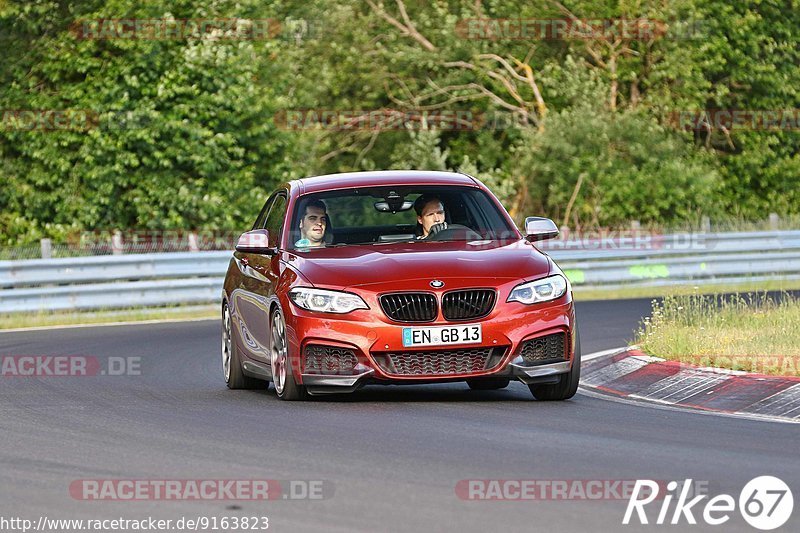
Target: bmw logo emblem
{"type": "Point", "coordinates": [437, 284]}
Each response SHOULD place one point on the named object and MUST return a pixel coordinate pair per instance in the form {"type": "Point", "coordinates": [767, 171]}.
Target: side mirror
{"type": "Point", "coordinates": [255, 242]}
{"type": "Point", "coordinates": [539, 229]}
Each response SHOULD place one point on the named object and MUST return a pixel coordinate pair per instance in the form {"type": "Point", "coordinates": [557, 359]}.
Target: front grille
{"type": "Point", "coordinates": [468, 304]}
{"type": "Point", "coordinates": [438, 362]}
{"type": "Point", "coordinates": [409, 306]}
{"type": "Point", "coordinates": [545, 349]}
{"type": "Point", "coordinates": [329, 360]}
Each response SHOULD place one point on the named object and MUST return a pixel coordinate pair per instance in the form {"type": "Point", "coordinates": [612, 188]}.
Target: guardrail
{"type": "Point", "coordinates": [112, 281]}
{"type": "Point", "coordinates": [121, 281]}
{"type": "Point", "coordinates": [696, 258]}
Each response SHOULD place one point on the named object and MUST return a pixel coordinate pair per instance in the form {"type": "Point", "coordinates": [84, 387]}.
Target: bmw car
{"type": "Point", "coordinates": [391, 278]}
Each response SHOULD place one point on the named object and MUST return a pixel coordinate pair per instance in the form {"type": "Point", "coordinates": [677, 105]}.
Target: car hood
{"type": "Point", "coordinates": [362, 265]}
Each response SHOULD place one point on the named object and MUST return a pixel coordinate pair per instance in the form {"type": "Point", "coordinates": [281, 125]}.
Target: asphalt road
{"type": "Point", "coordinates": [390, 457]}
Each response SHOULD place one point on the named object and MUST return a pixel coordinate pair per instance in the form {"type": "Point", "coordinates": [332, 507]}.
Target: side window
{"type": "Point", "coordinates": [262, 216]}
{"type": "Point", "coordinates": [274, 223]}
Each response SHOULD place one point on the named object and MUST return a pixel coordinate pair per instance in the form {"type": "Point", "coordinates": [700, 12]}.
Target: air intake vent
{"type": "Point", "coordinates": [549, 348]}
{"type": "Point", "coordinates": [329, 360]}
{"type": "Point", "coordinates": [439, 362]}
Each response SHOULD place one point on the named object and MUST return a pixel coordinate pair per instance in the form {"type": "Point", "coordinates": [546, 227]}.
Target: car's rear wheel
{"type": "Point", "coordinates": [231, 358]}
{"type": "Point", "coordinates": [488, 383]}
{"type": "Point", "coordinates": [567, 386]}
{"type": "Point", "coordinates": [282, 374]}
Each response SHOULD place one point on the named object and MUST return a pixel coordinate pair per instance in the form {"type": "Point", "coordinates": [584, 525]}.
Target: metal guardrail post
{"type": "Point", "coordinates": [193, 246]}
{"type": "Point", "coordinates": [116, 243]}
{"type": "Point", "coordinates": [47, 248]}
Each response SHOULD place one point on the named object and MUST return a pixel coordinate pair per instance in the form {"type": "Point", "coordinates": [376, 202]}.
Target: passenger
{"type": "Point", "coordinates": [430, 216]}
{"type": "Point", "coordinates": [313, 225]}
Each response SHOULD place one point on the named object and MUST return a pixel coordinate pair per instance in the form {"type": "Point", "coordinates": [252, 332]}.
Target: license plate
{"type": "Point", "coordinates": [442, 335]}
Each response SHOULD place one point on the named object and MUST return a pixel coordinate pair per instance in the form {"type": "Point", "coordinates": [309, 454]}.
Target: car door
{"type": "Point", "coordinates": [252, 299]}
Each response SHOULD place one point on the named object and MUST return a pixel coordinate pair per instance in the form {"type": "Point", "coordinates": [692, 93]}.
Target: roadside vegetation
{"type": "Point", "coordinates": [192, 132]}
{"type": "Point", "coordinates": [70, 318]}
{"type": "Point", "coordinates": [753, 332]}
{"type": "Point", "coordinates": [655, 291]}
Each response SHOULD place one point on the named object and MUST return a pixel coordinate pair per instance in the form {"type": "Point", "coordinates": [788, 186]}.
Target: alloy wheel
{"type": "Point", "coordinates": [226, 343]}
{"type": "Point", "coordinates": [279, 352]}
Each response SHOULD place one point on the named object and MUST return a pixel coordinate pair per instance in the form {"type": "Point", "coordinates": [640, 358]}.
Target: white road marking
{"type": "Point", "coordinates": [613, 351]}
{"type": "Point", "coordinates": [787, 400]}
{"type": "Point", "coordinates": [650, 404]}
{"type": "Point", "coordinates": [613, 371]}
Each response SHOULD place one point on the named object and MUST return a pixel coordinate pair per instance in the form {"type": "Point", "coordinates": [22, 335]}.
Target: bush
{"type": "Point", "coordinates": [630, 168]}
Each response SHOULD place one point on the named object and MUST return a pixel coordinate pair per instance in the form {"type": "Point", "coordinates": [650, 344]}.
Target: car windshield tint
{"type": "Point", "coordinates": [388, 214]}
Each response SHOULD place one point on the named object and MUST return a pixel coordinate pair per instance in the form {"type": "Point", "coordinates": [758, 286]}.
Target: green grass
{"type": "Point", "coordinates": [44, 319]}
{"type": "Point", "coordinates": [753, 333]}
{"type": "Point", "coordinates": [618, 293]}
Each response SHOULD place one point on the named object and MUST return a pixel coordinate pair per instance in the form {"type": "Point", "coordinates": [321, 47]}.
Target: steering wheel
{"type": "Point", "coordinates": [455, 232]}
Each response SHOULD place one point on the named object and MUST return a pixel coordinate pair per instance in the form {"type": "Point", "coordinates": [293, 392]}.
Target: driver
{"type": "Point", "coordinates": [313, 225]}
{"type": "Point", "coordinates": [430, 216]}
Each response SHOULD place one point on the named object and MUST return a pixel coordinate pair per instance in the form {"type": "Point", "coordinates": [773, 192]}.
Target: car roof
{"type": "Point", "coordinates": [381, 178]}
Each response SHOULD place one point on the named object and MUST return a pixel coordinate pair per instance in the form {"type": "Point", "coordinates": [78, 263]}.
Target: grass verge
{"type": "Point", "coordinates": [752, 333]}
{"type": "Point", "coordinates": [45, 319]}
{"type": "Point", "coordinates": [619, 293]}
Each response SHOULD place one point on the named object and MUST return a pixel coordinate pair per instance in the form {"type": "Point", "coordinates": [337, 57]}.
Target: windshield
{"type": "Point", "coordinates": [396, 214]}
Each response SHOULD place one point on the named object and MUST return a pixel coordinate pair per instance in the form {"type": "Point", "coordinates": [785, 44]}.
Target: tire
{"type": "Point", "coordinates": [232, 359]}
{"type": "Point", "coordinates": [567, 385]}
{"type": "Point", "coordinates": [488, 383]}
{"type": "Point", "coordinates": [282, 373]}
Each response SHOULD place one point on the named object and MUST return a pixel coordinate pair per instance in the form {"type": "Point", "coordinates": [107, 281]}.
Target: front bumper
{"type": "Point", "coordinates": [318, 384]}
{"type": "Point", "coordinates": [370, 336]}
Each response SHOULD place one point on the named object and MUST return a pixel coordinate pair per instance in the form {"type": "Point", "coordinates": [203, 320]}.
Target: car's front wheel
{"type": "Point", "coordinates": [231, 358]}
{"type": "Point", "coordinates": [282, 374]}
{"type": "Point", "coordinates": [567, 386]}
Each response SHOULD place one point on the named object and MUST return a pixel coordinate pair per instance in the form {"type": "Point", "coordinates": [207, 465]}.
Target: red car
{"type": "Point", "coordinates": [395, 277]}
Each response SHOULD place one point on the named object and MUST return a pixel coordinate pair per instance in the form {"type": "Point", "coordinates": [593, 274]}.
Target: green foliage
{"type": "Point", "coordinates": [630, 168]}
{"type": "Point", "coordinates": [187, 136]}
{"type": "Point", "coordinates": [183, 138]}
{"type": "Point", "coordinates": [420, 152]}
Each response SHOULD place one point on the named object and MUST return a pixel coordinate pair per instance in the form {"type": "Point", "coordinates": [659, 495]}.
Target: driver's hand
{"type": "Point", "coordinates": [436, 228]}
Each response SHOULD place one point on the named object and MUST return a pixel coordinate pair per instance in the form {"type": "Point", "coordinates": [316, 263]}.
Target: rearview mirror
{"type": "Point", "coordinates": [255, 242]}
{"type": "Point", "coordinates": [385, 207]}
{"type": "Point", "coordinates": [540, 228]}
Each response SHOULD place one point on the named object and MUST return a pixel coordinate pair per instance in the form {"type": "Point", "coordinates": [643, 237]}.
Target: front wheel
{"type": "Point", "coordinates": [567, 386]}
{"type": "Point", "coordinates": [282, 374]}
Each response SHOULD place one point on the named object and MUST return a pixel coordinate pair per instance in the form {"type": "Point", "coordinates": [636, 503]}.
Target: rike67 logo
{"type": "Point", "coordinates": [765, 503]}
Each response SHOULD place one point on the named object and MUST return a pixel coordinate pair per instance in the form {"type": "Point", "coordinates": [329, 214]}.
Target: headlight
{"type": "Point", "coordinates": [326, 301]}
{"type": "Point", "coordinates": [541, 290]}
